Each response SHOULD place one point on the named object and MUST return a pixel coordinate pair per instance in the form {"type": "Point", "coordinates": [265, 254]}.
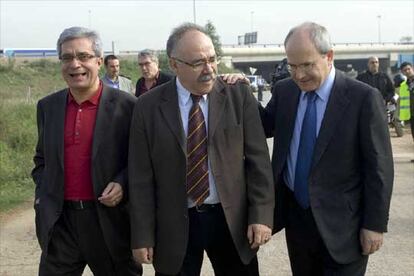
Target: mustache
{"type": "Point", "coordinates": [207, 77]}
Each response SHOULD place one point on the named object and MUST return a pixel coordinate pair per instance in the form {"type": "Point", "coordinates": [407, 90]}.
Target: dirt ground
{"type": "Point", "coordinates": [19, 250]}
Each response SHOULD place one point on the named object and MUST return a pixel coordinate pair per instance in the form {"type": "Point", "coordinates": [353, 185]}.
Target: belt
{"type": "Point", "coordinates": [204, 207]}
{"type": "Point", "coordinates": [79, 204]}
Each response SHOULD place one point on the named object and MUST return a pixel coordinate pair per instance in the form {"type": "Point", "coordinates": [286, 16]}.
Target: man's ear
{"type": "Point", "coordinates": [100, 61]}
{"type": "Point", "coordinates": [330, 55]}
{"type": "Point", "coordinates": [173, 65]}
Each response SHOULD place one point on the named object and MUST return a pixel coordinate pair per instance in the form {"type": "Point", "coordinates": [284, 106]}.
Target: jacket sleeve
{"type": "Point", "coordinates": [37, 172]}
{"type": "Point", "coordinates": [377, 163]}
{"type": "Point", "coordinates": [141, 184]}
{"type": "Point", "coordinates": [258, 170]}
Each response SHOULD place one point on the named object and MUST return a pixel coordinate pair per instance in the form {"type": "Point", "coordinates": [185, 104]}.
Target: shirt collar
{"type": "Point", "coordinates": [94, 100]}
{"type": "Point", "coordinates": [110, 80]}
{"type": "Point", "coordinates": [184, 96]}
{"type": "Point", "coordinates": [325, 89]}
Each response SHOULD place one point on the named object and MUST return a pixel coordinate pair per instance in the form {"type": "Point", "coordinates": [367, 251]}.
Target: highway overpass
{"type": "Point", "coordinates": [347, 56]}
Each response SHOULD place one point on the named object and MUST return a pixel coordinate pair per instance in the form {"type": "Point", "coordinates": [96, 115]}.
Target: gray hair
{"type": "Point", "coordinates": [318, 35]}
{"type": "Point", "coordinates": [148, 53]}
{"type": "Point", "coordinates": [80, 32]}
{"type": "Point", "coordinates": [178, 32]}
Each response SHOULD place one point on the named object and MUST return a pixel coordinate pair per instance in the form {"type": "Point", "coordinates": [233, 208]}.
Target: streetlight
{"type": "Point", "coordinates": [89, 19]}
{"type": "Point", "coordinates": [251, 21]}
{"type": "Point", "coordinates": [379, 28]}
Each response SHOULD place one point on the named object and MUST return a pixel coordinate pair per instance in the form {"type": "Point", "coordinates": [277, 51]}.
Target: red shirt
{"type": "Point", "coordinates": [79, 128]}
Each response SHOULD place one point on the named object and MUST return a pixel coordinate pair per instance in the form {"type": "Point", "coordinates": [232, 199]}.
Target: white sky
{"type": "Point", "coordinates": [136, 25]}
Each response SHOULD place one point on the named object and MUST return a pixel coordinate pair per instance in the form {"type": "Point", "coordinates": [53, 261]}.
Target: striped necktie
{"type": "Point", "coordinates": [197, 160]}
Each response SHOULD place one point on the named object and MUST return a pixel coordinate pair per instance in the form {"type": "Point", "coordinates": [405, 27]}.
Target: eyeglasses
{"type": "Point", "coordinates": [304, 67]}
{"type": "Point", "coordinates": [82, 57]}
{"type": "Point", "coordinates": [199, 65]}
{"type": "Point", "coordinates": [145, 64]}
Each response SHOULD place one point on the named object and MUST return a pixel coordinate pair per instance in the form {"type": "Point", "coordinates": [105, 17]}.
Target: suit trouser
{"type": "Point", "coordinates": [77, 241]}
{"type": "Point", "coordinates": [307, 252]}
{"type": "Point", "coordinates": [209, 232]}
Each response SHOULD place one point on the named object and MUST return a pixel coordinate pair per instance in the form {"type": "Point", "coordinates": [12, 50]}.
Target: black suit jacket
{"type": "Point", "coordinates": [162, 78]}
{"type": "Point", "coordinates": [109, 163]}
{"type": "Point", "coordinates": [239, 160]}
{"type": "Point", "coordinates": [351, 177]}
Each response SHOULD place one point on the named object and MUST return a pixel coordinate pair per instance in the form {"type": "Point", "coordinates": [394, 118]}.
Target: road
{"type": "Point", "coordinates": [19, 251]}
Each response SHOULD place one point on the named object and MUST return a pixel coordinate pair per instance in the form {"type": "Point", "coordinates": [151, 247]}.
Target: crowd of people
{"type": "Point", "coordinates": [180, 166]}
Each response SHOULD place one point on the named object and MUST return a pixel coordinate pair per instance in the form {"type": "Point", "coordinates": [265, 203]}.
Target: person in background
{"type": "Point", "coordinates": [151, 74]}
{"type": "Point", "coordinates": [332, 160]}
{"type": "Point", "coordinates": [378, 79]}
{"type": "Point", "coordinates": [80, 171]}
{"type": "Point", "coordinates": [407, 95]}
{"type": "Point", "coordinates": [199, 168]}
{"type": "Point", "coordinates": [112, 77]}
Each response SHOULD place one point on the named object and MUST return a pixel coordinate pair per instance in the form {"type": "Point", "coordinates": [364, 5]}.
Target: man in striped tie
{"type": "Point", "coordinates": [199, 168]}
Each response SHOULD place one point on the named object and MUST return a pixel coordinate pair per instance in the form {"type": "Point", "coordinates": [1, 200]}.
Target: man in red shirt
{"type": "Point", "coordinates": [81, 167]}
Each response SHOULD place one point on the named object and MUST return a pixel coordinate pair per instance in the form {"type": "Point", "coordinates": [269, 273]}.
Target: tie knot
{"type": "Point", "coordinates": [196, 98]}
{"type": "Point", "coordinates": [311, 96]}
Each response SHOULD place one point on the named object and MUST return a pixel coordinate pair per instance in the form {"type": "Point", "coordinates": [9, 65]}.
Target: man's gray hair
{"type": "Point", "coordinates": [148, 53]}
{"type": "Point", "coordinates": [178, 32]}
{"type": "Point", "coordinates": [318, 35]}
{"type": "Point", "coordinates": [80, 32]}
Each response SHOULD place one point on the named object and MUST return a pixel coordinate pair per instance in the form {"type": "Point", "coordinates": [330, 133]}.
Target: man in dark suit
{"type": "Point", "coordinates": [332, 160]}
{"type": "Point", "coordinates": [380, 80]}
{"type": "Point", "coordinates": [151, 74]}
{"type": "Point", "coordinates": [199, 168]}
{"type": "Point", "coordinates": [81, 167]}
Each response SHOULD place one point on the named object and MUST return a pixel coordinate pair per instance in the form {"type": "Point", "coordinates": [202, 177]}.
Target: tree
{"type": "Point", "coordinates": [211, 30]}
{"type": "Point", "coordinates": [406, 39]}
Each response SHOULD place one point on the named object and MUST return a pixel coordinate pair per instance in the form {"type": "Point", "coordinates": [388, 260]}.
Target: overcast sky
{"type": "Point", "coordinates": [136, 25]}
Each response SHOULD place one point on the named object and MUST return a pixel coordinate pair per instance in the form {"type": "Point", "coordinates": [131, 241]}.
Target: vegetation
{"type": "Point", "coordinates": [211, 30]}
{"type": "Point", "coordinates": [22, 84]}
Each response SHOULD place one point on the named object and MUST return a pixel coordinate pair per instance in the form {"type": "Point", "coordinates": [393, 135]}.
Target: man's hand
{"type": "Point", "coordinates": [370, 241]}
{"type": "Point", "coordinates": [258, 234]}
{"type": "Point", "coordinates": [143, 255]}
{"type": "Point", "coordinates": [112, 195]}
{"type": "Point", "coordinates": [233, 78]}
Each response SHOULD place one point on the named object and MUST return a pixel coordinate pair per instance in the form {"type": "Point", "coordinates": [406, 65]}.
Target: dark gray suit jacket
{"type": "Point", "coordinates": [239, 160]}
{"type": "Point", "coordinates": [351, 177]}
{"type": "Point", "coordinates": [109, 163]}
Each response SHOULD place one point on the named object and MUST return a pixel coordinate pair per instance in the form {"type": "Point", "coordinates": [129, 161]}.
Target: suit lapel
{"type": "Point", "coordinates": [335, 110]}
{"type": "Point", "coordinates": [103, 118]}
{"type": "Point", "coordinates": [171, 112]}
{"type": "Point", "coordinates": [216, 106]}
{"type": "Point", "coordinates": [59, 113]}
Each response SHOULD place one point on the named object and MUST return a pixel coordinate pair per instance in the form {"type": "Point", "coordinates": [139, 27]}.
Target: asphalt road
{"type": "Point", "coordinates": [19, 251]}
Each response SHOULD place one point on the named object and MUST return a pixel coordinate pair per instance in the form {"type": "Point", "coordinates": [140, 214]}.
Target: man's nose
{"type": "Point", "coordinates": [299, 73]}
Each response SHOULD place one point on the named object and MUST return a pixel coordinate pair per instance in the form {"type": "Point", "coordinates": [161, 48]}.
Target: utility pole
{"type": "Point", "coordinates": [251, 21]}
{"type": "Point", "coordinates": [379, 28]}
{"type": "Point", "coordinates": [194, 12]}
{"type": "Point", "coordinates": [89, 19]}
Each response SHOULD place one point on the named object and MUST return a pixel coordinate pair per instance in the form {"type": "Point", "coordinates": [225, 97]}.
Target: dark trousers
{"type": "Point", "coordinates": [209, 232]}
{"type": "Point", "coordinates": [77, 241]}
{"type": "Point", "coordinates": [307, 252]}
